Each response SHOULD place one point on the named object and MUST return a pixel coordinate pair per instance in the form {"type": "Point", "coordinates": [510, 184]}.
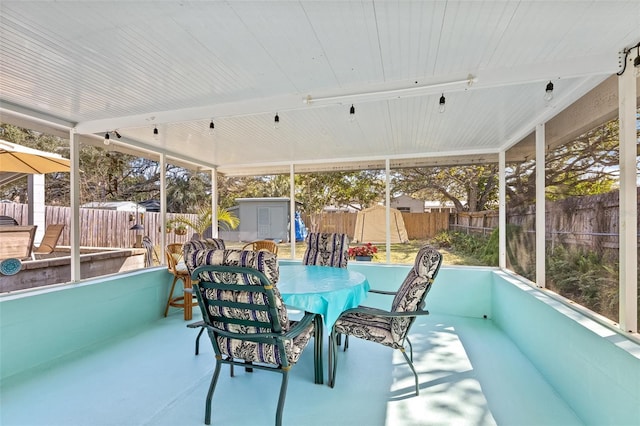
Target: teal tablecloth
{"type": "Point", "coordinates": [322, 289]}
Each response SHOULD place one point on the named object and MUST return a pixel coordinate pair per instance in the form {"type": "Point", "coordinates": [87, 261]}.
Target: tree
{"type": "Point", "coordinates": [318, 190]}
{"type": "Point", "coordinates": [586, 165]}
{"type": "Point", "coordinates": [313, 191]}
{"type": "Point", "coordinates": [187, 191]}
{"type": "Point", "coordinates": [230, 188]}
{"type": "Point", "coordinates": [469, 188]}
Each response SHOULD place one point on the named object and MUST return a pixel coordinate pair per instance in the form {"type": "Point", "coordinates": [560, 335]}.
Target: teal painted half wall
{"type": "Point", "coordinates": [41, 326]}
{"type": "Point", "coordinates": [594, 368]}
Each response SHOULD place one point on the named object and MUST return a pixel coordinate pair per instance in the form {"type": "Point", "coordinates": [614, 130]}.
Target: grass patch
{"type": "Point", "coordinates": [400, 253]}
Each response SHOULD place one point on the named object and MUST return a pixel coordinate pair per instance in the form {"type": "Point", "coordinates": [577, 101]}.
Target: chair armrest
{"type": "Point", "coordinates": [383, 313]}
{"type": "Point", "coordinates": [196, 324]}
{"type": "Point", "coordinates": [390, 293]}
{"type": "Point", "coordinates": [300, 326]}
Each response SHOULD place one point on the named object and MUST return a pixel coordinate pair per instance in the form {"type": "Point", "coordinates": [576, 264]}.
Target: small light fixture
{"type": "Point", "coordinates": [276, 121]}
{"type": "Point", "coordinates": [155, 132]}
{"type": "Point", "coordinates": [117, 134]}
{"type": "Point", "coordinates": [107, 141]}
{"type": "Point", "coordinates": [636, 61]}
{"type": "Point", "coordinates": [352, 113]}
{"type": "Point", "coordinates": [441, 104]}
{"type": "Point", "coordinates": [211, 127]}
{"type": "Point", "coordinates": [548, 92]}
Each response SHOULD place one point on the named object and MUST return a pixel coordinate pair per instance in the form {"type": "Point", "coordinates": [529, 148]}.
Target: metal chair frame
{"type": "Point", "coordinates": [334, 337]}
{"type": "Point", "coordinates": [275, 337]}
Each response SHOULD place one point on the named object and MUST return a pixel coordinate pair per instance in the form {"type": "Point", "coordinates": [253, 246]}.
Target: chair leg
{"type": "Point", "coordinates": [212, 387]}
{"type": "Point", "coordinates": [281, 398]}
{"type": "Point", "coordinates": [198, 340]}
{"type": "Point", "coordinates": [333, 359]}
{"type": "Point", "coordinates": [412, 369]}
{"type": "Point", "coordinates": [346, 342]}
{"type": "Point", "coordinates": [173, 286]}
{"type": "Point", "coordinates": [317, 350]}
{"type": "Point", "coordinates": [197, 324]}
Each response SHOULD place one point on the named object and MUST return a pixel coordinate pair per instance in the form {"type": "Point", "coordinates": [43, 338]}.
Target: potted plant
{"type": "Point", "coordinates": [364, 252]}
{"type": "Point", "coordinates": [181, 229]}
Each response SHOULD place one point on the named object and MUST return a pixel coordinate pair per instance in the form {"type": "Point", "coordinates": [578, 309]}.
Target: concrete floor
{"type": "Point", "coordinates": [470, 374]}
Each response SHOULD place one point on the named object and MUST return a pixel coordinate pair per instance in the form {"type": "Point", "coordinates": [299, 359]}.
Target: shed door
{"type": "Point", "coordinates": [264, 222]}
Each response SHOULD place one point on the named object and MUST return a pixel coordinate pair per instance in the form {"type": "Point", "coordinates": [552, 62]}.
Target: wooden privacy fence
{"type": "Point", "coordinates": [590, 222]}
{"type": "Point", "coordinates": [478, 222]}
{"type": "Point", "coordinates": [420, 226]}
{"type": "Point", "coordinates": [109, 228]}
{"type": "Point", "coordinates": [101, 228]}
{"type": "Point", "coordinates": [338, 222]}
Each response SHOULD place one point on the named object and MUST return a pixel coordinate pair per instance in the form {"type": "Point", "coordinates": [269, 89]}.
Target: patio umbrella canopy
{"type": "Point", "coordinates": [16, 158]}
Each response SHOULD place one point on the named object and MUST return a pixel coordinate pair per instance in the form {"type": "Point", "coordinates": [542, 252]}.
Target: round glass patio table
{"type": "Point", "coordinates": [322, 289]}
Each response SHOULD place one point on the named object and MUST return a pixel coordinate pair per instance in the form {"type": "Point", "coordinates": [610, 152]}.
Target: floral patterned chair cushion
{"type": "Point", "coordinates": [391, 331]}
{"type": "Point", "coordinates": [247, 350]}
{"type": "Point", "coordinates": [326, 249]}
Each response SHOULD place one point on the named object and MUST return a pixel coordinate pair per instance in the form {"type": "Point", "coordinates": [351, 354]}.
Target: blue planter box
{"type": "Point", "coordinates": [364, 258]}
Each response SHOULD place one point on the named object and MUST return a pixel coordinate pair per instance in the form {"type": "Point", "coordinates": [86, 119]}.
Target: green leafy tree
{"type": "Point", "coordinates": [586, 165]}
{"type": "Point", "coordinates": [313, 191]}
{"type": "Point", "coordinates": [318, 190]}
{"type": "Point", "coordinates": [469, 188]}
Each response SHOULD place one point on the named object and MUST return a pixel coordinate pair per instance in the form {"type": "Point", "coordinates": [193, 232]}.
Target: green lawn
{"type": "Point", "coordinates": [400, 253]}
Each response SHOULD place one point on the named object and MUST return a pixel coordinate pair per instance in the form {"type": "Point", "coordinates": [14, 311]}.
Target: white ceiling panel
{"type": "Point", "coordinates": [133, 65]}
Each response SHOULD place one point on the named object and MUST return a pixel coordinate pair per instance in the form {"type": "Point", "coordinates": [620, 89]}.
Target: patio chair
{"type": "Point", "coordinates": [176, 266]}
{"type": "Point", "coordinates": [151, 256]}
{"type": "Point", "coordinates": [390, 328]}
{"type": "Point", "coordinates": [245, 316]}
{"type": "Point", "coordinates": [201, 244]}
{"type": "Point", "coordinates": [175, 263]}
{"type": "Point", "coordinates": [8, 221]}
{"type": "Point", "coordinates": [17, 241]}
{"type": "Point", "coordinates": [262, 245]}
{"type": "Point", "coordinates": [49, 241]}
{"type": "Point", "coordinates": [326, 249]}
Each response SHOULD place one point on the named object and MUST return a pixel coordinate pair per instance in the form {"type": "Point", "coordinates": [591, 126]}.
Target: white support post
{"type": "Point", "coordinates": [387, 182]}
{"type": "Point", "coordinates": [214, 203]}
{"type": "Point", "coordinates": [74, 149]}
{"type": "Point", "coordinates": [628, 269]}
{"type": "Point", "coordinates": [163, 207]}
{"type": "Point", "coordinates": [292, 210]}
{"type": "Point", "coordinates": [502, 210]}
{"type": "Point", "coordinates": [36, 209]}
{"type": "Point", "coordinates": [540, 207]}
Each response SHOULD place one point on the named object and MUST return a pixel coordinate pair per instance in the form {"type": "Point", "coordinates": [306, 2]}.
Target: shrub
{"type": "Point", "coordinates": [473, 245]}
{"type": "Point", "coordinates": [582, 276]}
{"type": "Point", "coordinates": [442, 239]}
